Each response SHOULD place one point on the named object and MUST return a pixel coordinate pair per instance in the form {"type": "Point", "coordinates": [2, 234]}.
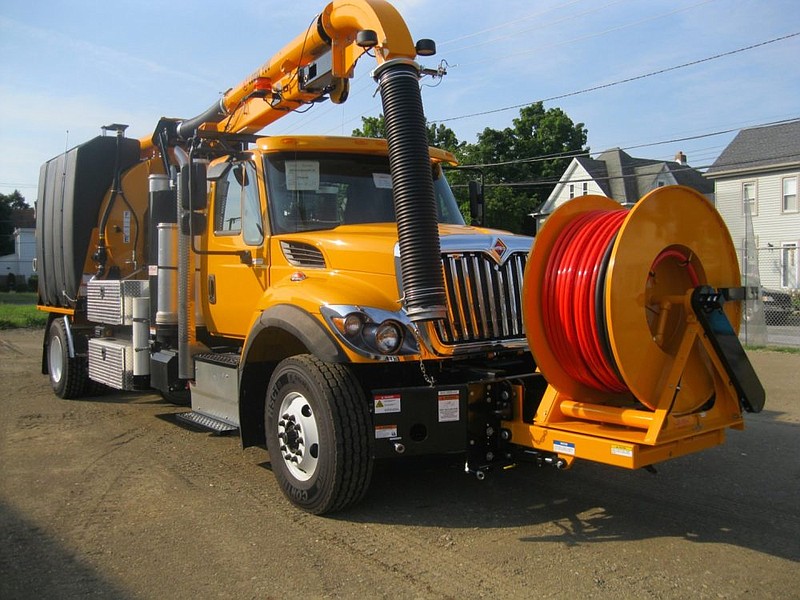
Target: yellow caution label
{"type": "Point", "coordinates": [618, 450]}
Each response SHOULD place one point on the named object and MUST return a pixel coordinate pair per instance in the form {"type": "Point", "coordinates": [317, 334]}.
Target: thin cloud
{"type": "Point", "coordinates": [104, 56]}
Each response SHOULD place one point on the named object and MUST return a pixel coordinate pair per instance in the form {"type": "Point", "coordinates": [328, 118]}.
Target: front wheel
{"type": "Point", "coordinates": [318, 434]}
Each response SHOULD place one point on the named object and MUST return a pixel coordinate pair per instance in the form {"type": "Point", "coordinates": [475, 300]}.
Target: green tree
{"type": "Point", "coordinates": [439, 136]}
{"type": "Point", "coordinates": [514, 185]}
{"type": "Point", "coordinates": [517, 162]}
{"type": "Point", "coordinates": [8, 204]}
{"type": "Point", "coordinates": [371, 127]}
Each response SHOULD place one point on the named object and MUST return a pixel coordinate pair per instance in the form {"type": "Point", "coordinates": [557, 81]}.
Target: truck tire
{"type": "Point", "coordinates": [68, 376]}
{"type": "Point", "coordinates": [318, 434]}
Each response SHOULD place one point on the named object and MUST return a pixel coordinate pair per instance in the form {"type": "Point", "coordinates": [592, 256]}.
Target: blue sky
{"type": "Point", "coordinates": [69, 67]}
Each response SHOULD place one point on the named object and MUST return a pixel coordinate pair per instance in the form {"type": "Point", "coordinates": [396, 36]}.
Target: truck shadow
{"type": "Point", "coordinates": [34, 564]}
{"type": "Point", "coordinates": [724, 496]}
{"type": "Point", "coordinates": [742, 493]}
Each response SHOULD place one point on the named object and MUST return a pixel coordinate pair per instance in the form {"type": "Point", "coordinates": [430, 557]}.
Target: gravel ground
{"type": "Point", "coordinates": [108, 498]}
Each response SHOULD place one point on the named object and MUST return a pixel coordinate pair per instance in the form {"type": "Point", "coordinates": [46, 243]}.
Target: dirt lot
{"type": "Point", "coordinates": [108, 498]}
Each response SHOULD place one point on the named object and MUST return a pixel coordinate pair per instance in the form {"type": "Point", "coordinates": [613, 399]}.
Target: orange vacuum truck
{"type": "Point", "coordinates": [324, 297]}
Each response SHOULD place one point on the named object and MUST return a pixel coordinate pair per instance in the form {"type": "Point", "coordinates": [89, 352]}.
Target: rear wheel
{"type": "Point", "coordinates": [318, 434]}
{"type": "Point", "coordinates": [68, 375]}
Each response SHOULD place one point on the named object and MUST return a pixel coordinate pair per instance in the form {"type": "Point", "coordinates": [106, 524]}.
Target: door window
{"type": "Point", "coordinates": [237, 209]}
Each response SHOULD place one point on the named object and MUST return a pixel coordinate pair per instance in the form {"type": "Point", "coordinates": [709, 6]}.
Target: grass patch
{"type": "Point", "coordinates": [783, 349]}
{"type": "Point", "coordinates": [19, 310]}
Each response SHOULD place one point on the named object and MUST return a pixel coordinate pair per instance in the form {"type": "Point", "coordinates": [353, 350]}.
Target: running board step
{"type": "Point", "coordinates": [202, 421]}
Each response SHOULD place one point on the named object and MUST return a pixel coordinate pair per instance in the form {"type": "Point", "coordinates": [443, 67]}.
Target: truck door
{"type": "Point", "coordinates": [234, 280]}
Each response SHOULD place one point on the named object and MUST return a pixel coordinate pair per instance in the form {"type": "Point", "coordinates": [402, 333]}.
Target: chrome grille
{"type": "Point", "coordinates": [484, 298]}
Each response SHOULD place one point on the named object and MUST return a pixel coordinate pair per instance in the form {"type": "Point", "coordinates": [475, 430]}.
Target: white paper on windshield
{"type": "Point", "coordinates": [302, 175]}
{"type": "Point", "coordinates": [383, 181]}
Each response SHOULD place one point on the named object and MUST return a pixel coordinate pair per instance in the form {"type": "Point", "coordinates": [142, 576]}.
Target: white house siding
{"type": "Point", "coordinates": [772, 227]}
{"type": "Point", "coordinates": [574, 175]}
{"type": "Point", "coordinates": [21, 262]}
{"type": "Point", "coordinates": [26, 248]}
{"type": "Point", "coordinates": [664, 178]}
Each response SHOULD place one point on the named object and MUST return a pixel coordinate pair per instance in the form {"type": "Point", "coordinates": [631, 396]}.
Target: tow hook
{"type": "Point", "coordinates": [543, 459]}
{"type": "Point", "coordinates": [479, 472]}
{"type": "Point", "coordinates": [555, 461]}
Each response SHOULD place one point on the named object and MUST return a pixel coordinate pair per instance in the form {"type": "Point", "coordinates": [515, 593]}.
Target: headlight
{"type": "Point", "coordinates": [372, 332]}
{"type": "Point", "coordinates": [352, 324]}
{"type": "Point", "coordinates": [388, 337]}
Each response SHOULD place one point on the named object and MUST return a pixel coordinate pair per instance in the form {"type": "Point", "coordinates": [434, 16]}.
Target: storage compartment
{"type": "Point", "coordinates": [215, 390]}
{"type": "Point", "coordinates": [111, 301]}
{"type": "Point", "coordinates": [111, 363]}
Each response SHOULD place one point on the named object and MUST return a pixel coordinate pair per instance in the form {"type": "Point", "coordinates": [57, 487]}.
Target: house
{"type": "Point", "coordinates": [18, 267]}
{"type": "Point", "coordinates": [759, 170]}
{"type": "Point", "coordinates": [618, 175]}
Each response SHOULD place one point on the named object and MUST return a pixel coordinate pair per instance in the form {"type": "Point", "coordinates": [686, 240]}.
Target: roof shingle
{"type": "Point", "coordinates": [760, 148]}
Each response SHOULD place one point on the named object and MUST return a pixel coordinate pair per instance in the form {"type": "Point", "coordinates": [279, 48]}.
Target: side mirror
{"type": "Point", "coordinates": [476, 202]}
{"type": "Point", "coordinates": [529, 225]}
{"type": "Point", "coordinates": [194, 186]}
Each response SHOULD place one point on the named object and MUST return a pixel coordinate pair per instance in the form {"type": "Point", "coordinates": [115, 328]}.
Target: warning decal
{"type": "Point", "coordinates": [383, 432]}
{"type": "Point", "coordinates": [564, 447]}
{"type": "Point", "coordinates": [448, 406]}
{"type": "Point", "coordinates": [389, 403]}
{"type": "Point", "coordinates": [622, 451]}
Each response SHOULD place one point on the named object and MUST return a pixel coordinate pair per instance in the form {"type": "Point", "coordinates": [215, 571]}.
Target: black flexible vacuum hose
{"type": "Point", "coordinates": [412, 184]}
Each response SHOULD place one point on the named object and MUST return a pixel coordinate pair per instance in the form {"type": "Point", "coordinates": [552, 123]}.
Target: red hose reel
{"type": "Point", "coordinates": [604, 289]}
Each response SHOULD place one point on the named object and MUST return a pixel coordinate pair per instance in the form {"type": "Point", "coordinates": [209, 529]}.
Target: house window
{"type": "Point", "coordinates": [749, 199]}
{"type": "Point", "coordinates": [571, 191]}
{"type": "Point", "coordinates": [585, 188]}
{"type": "Point", "coordinates": [789, 265]}
{"type": "Point", "coordinates": [790, 194]}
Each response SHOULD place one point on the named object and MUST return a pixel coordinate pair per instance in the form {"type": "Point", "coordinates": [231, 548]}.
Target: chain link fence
{"type": "Point", "coordinates": [771, 315]}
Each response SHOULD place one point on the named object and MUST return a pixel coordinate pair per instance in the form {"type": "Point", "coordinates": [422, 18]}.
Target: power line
{"type": "Point", "coordinates": [18, 185]}
{"type": "Point", "coordinates": [538, 27]}
{"type": "Point", "coordinates": [549, 182]}
{"type": "Point", "coordinates": [621, 81]}
{"type": "Point", "coordinates": [575, 153]}
{"type": "Point", "coordinates": [578, 39]}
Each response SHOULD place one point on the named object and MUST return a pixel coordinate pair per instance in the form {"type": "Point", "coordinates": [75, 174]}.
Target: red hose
{"type": "Point", "coordinates": [568, 302]}
{"type": "Point", "coordinates": [569, 307]}
{"type": "Point", "coordinates": [683, 261]}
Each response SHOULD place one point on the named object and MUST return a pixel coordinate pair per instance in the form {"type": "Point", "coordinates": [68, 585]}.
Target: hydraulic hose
{"type": "Point", "coordinates": [213, 114]}
{"type": "Point", "coordinates": [412, 184]}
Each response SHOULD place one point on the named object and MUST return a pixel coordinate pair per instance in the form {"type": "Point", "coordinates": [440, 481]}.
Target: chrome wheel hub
{"type": "Point", "coordinates": [299, 436]}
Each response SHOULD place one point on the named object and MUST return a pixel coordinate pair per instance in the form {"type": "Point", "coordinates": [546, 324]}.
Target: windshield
{"type": "Point", "coordinates": [312, 191]}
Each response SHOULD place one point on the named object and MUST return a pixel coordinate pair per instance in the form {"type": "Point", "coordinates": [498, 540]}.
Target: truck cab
{"type": "Point", "coordinates": [316, 218]}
